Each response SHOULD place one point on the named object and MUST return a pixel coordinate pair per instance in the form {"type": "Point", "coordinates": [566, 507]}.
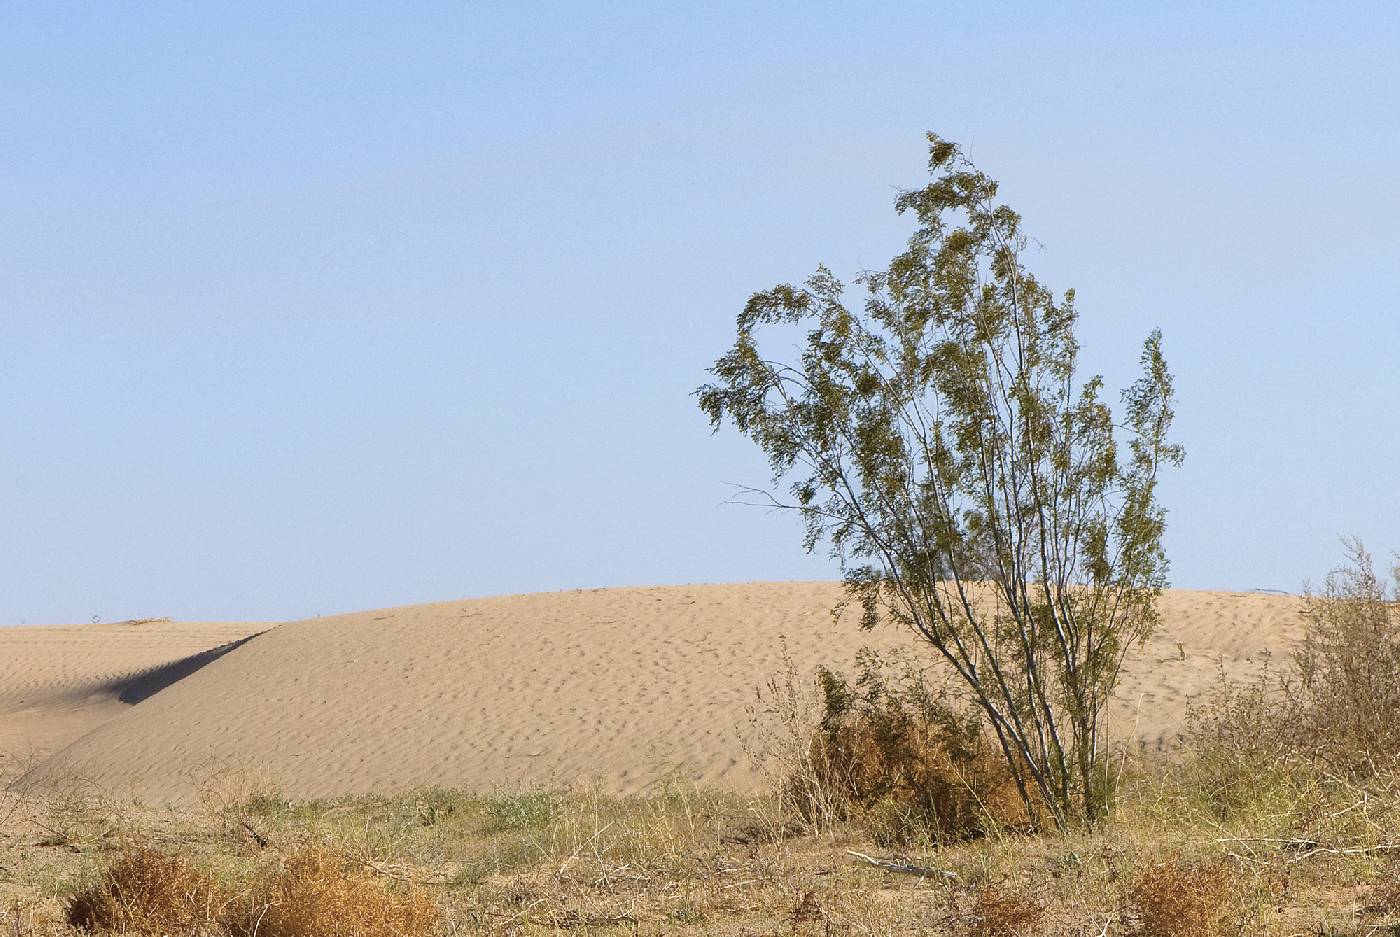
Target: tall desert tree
{"type": "Point", "coordinates": [939, 438]}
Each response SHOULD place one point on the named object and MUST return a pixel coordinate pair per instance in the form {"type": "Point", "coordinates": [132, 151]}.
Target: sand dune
{"type": "Point", "coordinates": [617, 687]}
{"type": "Point", "coordinates": [58, 683]}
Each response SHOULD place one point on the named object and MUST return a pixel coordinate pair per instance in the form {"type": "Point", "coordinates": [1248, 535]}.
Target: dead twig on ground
{"type": "Point", "coordinates": [903, 868]}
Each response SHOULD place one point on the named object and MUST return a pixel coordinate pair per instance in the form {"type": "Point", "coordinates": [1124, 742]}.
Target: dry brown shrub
{"type": "Point", "coordinates": [147, 891]}
{"type": "Point", "coordinates": [316, 894]}
{"type": "Point", "coordinates": [1175, 900]}
{"type": "Point", "coordinates": [1000, 913]}
{"type": "Point", "coordinates": [900, 756]}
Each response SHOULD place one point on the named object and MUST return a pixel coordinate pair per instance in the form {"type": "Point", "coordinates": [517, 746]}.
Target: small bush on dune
{"type": "Point", "coordinates": [316, 894]}
{"type": "Point", "coordinates": [147, 891]}
{"type": "Point", "coordinates": [901, 758]}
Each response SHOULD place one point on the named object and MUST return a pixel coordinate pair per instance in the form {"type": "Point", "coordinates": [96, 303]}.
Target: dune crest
{"type": "Point", "coordinates": [57, 683]}
{"type": "Point", "coordinates": [617, 687]}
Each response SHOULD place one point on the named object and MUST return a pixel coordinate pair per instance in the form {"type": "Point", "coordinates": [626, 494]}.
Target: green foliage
{"type": "Point", "coordinates": [528, 811]}
{"type": "Point", "coordinates": [938, 438]}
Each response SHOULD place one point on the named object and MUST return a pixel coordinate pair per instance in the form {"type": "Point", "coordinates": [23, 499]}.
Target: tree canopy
{"type": "Point", "coordinates": [937, 436]}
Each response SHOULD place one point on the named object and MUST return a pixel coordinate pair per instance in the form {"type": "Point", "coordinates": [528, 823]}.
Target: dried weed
{"type": "Point", "coordinates": [147, 891]}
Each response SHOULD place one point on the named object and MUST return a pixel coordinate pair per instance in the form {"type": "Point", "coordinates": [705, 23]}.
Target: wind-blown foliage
{"type": "Point", "coordinates": [939, 439]}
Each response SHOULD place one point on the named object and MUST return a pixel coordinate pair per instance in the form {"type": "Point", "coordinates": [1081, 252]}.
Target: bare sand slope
{"type": "Point", "coordinates": [58, 683]}
{"type": "Point", "coordinates": [616, 687]}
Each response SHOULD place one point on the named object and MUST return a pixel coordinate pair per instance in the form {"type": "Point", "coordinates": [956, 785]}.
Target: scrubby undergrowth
{"type": "Point", "coordinates": [1280, 815]}
{"type": "Point", "coordinates": [442, 862]}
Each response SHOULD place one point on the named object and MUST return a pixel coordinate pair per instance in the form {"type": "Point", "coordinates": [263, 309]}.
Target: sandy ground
{"type": "Point", "coordinates": [58, 683]}
{"type": "Point", "coordinates": [618, 687]}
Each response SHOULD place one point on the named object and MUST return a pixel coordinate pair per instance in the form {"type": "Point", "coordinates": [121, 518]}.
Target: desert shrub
{"type": "Point", "coordinates": [1001, 913]}
{"type": "Point", "coordinates": [147, 891]}
{"type": "Point", "coordinates": [313, 893]}
{"type": "Point", "coordinates": [900, 756]}
{"type": "Point", "coordinates": [1333, 713]}
{"type": "Point", "coordinates": [528, 811]}
{"type": "Point", "coordinates": [1243, 746]}
{"type": "Point", "coordinates": [778, 740]}
{"type": "Point", "coordinates": [1177, 900]}
{"type": "Point", "coordinates": [1348, 664]}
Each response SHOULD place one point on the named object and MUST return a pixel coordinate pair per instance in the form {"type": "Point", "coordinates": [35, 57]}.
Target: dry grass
{"type": "Point", "coordinates": [147, 891]}
{"type": "Point", "coordinates": [998, 912]}
{"type": "Point", "coordinates": [1175, 900]}
{"type": "Point", "coordinates": [311, 893]}
{"type": "Point", "coordinates": [689, 863]}
{"type": "Point", "coordinates": [890, 751]}
{"type": "Point", "coordinates": [314, 893]}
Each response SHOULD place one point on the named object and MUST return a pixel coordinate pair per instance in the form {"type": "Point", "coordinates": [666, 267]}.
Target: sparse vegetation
{"type": "Point", "coordinates": [1348, 668]}
{"type": "Point", "coordinates": [683, 862]}
{"type": "Point", "coordinates": [1328, 718]}
{"type": "Point", "coordinates": [1245, 830]}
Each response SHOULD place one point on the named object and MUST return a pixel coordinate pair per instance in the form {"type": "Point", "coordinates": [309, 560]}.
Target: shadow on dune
{"type": "Point", "coordinates": [141, 686]}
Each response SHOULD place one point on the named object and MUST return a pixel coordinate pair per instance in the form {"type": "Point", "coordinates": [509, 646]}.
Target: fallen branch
{"type": "Point", "coordinates": [1352, 851]}
{"type": "Point", "coordinates": [904, 868]}
{"type": "Point", "coordinates": [1295, 844]}
{"type": "Point", "coordinates": [1307, 848]}
{"type": "Point", "coordinates": [400, 872]}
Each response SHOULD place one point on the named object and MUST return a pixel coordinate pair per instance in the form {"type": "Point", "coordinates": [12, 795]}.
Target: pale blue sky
{"type": "Point", "coordinates": [351, 306]}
